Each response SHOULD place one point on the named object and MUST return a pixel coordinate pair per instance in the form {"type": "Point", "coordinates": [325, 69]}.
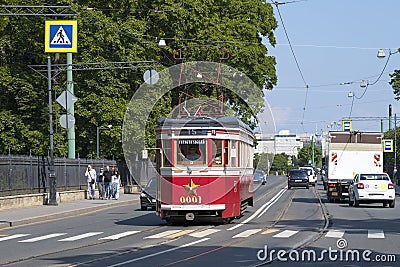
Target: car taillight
{"type": "Point", "coordinates": [288, 178]}
{"type": "Point", "coordinates": [307, 177]}
{"type": "Point", "coordinates": [331, 185]}
{"type": "Point", "coordinates": [360, 186]}
{"type": "Point", "coordinates": [390, 186]}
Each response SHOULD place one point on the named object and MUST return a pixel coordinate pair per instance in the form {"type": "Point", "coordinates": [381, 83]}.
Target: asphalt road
{"type": "Point", "coordinates": [280, 220]}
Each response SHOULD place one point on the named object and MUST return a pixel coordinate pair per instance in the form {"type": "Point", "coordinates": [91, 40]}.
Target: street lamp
{"type": "Point", "coordinates": [98, 137]}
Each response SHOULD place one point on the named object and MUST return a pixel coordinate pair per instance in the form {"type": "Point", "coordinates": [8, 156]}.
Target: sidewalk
{"type": "Point", "coordinates": [21, 216]}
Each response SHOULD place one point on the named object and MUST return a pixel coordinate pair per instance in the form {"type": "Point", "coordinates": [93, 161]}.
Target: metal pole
{"type": "Point", "coordinates": [52, 174]}
{"type": "Point", "coordinates": [97, 142]}
{"type": "Point", "coordinates": [390, 117]}
{"type": "Point", "coordinates": [70, 111]}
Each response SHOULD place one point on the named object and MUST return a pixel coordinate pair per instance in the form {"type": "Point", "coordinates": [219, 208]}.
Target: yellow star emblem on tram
{"type": "Point", "coordinates": [191, 188]}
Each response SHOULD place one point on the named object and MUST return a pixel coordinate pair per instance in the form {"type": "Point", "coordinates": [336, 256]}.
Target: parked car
{"type": "Point", "coordinates": [312, 176]}
{"type": "Point", "coordinates": [298, 178]}
{"type": "Point", "coordinates": [372, 188]}
{"type": "Point", "coordinates": [148, 195]}
{"type": "Point", "coordinates": [259, 176]}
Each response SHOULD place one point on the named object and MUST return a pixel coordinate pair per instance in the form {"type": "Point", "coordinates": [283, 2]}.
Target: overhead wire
{"type": "Point", "coordinates": [295, 58]}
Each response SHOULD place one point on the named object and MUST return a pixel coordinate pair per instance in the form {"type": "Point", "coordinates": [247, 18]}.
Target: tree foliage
{"type": "Point", "coordinates": [305, 155]}
{"type": "Point", "coordinates": [395, 83]}
{"type": "Point", "coordinates": [280, 164]}
{"type": "Point", "coordinates": [123, 31]}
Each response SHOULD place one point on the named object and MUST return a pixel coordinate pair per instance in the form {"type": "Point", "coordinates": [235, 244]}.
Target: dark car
{"type": "Point", "coordinates": [148, 195]}
{"type": "Point", "coordinates": [298, 178]}
{"type": "Point", "coordinates": [259, 176]}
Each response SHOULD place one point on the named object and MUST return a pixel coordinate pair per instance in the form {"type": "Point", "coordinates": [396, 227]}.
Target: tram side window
{"type": "Point", "coordinates": [217, 152]}
{"type": "Point", "coordinates": [233, 154]}
{"type": "Point", "coordinates": [166, 151]}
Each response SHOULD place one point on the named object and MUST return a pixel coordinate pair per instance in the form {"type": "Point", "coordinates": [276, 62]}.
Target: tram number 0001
{"type": "Point", "coordinates": [190, 199]}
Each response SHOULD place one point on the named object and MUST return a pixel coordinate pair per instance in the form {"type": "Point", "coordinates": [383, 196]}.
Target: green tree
{"type": "Point", "coordinates": [305, 155]}
{"type": "Point", "coordinates": [280, 164]}
{"type": "Point", "coordinates": [122, 31]}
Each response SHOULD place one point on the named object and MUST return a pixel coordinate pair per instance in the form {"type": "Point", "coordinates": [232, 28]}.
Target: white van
{"type": "Point", "coordinates": [312, 177]}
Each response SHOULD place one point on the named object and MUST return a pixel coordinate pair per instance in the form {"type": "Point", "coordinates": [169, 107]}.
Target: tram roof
{"type": "Point", "coordinates": [223, 121]}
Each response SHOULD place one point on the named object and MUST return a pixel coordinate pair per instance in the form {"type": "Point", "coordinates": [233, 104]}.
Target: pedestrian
{"type": "Point", "coordinates": [100, 183]}
{"type": "Point", "coordinates": [90, 175]}
{"type": "Point", "coordinates": [107, 174]}
{"type": "Point", "coordinates": [116, 180]}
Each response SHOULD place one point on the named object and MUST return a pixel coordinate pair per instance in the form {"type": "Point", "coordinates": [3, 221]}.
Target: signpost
{"type": "Point", "coordinates": [61, 36]}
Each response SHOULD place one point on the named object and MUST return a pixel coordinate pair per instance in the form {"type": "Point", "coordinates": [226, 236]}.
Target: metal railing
{"type": "Point", "coordinates": [29, 174]}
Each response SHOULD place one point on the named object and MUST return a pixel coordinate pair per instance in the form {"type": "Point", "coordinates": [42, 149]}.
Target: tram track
{"type": "Point", "coordinates": [238, 241]}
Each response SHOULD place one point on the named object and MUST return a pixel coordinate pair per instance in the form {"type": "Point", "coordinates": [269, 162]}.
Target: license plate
{"type": "Point", "coordinates": [298, 180]}
{"type": "Point", "coordinates": [334, 193]}
{"type": "Point", "coordinates": [345, 194]}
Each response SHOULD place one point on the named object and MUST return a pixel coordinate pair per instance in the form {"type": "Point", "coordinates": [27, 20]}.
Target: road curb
{"type": "Point", "coordinates": [64, 214]}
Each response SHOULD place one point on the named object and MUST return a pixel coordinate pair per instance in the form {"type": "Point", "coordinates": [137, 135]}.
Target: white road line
{"type": "Point", "coordinates": [285, 234]}
{"type": "Point", "coordinates": [160, 235]}
{"type": "Point", "coordinates": [40, 238]}
{"type": "Point", "coordinates": [118, 236]}
{"type": "Point", "coordinates": [376, 234]}
{"type": "Point", "coordinates": [82, 236]}
{"type": "Point", "coordinates": [335, 233]}
{"type": "Point", "coordinates": [272, 203]}
{"type": "Point", "coordinates": [12, 237]}
{"type": "Point", "coordinates": [159, 253]}
{"type": "Point", "coordinates": [247, 233]}
{"type": "Point", "coordinates": [204, 233]}
{"type": "Point", "coordinates": [261, 209]}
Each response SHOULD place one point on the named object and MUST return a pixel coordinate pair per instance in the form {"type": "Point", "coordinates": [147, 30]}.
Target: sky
{"type": "Point", "coordinates": [335, 43]}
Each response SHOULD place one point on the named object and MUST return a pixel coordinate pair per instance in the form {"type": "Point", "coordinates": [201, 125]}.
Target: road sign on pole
{"type": "Point", "coordinates": [61, 36]}
{"type": "Point", "coordinates": [387, 145]}
{"type": "Point", "coordinates": [347, 126]}
{"type": "Point", "coordinates": [66, 99]}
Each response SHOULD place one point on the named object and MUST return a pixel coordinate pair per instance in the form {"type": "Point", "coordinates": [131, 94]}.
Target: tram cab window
{"type": "Point", "coordinates": [217, 152]}
{"type": "Point", "coordinates": [191, 152]}
{"type": "Point", "coordinates": [166, 152]}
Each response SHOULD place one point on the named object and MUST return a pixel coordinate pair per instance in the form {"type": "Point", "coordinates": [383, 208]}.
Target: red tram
{"type": "Point", "coordinates": [205, 168]}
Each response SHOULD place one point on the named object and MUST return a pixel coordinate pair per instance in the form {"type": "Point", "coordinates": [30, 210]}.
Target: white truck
{"type": "Point", "coordinates": [350, 153]}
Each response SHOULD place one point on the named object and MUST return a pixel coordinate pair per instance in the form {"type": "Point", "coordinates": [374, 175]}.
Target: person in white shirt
{"type": "Point", "coordinates": [90, 175]}
{"type": "Point", "coordinates": [116, 180]}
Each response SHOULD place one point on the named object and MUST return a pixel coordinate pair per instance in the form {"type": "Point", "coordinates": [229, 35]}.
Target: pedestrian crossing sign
{"type": "Point", "coordinates": [347, 126]}
{"type": "Point", "coordinates": [61, 36]}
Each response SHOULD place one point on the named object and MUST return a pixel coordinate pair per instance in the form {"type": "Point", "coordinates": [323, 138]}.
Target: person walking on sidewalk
{"type": "Point", "coordinates": [116, 180]}
{"type": "Point", "coordinates": [107, 174]}
{"type": "Point", "coordinates": [100, 183]}
{"type": "Point", "coordinates": [90, 175]}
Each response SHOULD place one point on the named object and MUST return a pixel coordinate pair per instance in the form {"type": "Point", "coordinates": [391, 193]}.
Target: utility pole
{"type": "Point", "coordinates": [390, 117]}
{"type": "Point", "coordinates": [312, 150]}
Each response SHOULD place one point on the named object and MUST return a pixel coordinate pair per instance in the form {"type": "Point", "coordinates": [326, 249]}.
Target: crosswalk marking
{"type": "Point", "coordinates": [247, 233]}
{"type": "Point", "coordinates": [285, 234]}
{"type": "Point", "coordinates": [269, 231]}
{"type": "Point", "coordinates": [204, 233]}
{"type": "Point", "coordinates": [12, 237]}
{"type": "Point", "coordinates": [40, 238]}
{"type": "Point", "coordinates": [77, 237]}
{"type": "Point", "coordinates": [118, 236]}
{"type": "Point", "coordinates": [163, 234]}
{"type": "Point", "coordinates": [376, 234]}
{"type": "Point", "coordinates": [335, 233]}
{"type": "Point", "coordinates": [181, 233]}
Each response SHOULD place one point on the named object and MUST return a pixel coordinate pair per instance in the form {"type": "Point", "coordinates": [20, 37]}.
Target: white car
{"type": "Point", "coordinates": [312, 177]}
{"type": "Point", "coordinates": [372, 188]}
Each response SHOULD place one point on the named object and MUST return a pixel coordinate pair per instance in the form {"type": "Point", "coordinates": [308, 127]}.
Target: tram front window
{"type": "Point", "coordinates": [191, 154]}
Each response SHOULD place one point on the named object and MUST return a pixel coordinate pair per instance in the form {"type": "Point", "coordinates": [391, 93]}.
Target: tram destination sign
{"type": "Point", "coordinates": [192, 141]}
